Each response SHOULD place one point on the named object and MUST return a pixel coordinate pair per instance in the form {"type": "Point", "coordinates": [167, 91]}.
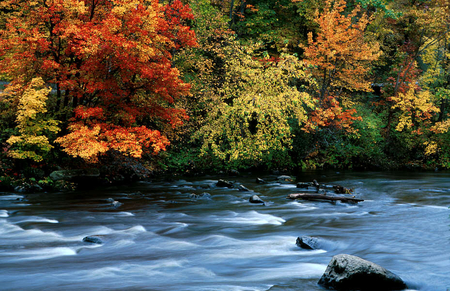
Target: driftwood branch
{"type": "Point", "coordinates": [321, 197]}
{"type": "Point", "coordinates": [338, 189]}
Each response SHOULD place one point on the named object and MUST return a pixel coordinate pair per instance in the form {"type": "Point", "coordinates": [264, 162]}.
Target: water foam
{"type": "Point", "coordinates": [12, 232]}
{"type": "Point", "coordinates": [299, 271]}
{"type": "Point", "coordinates": [124, 213]}
{"type": "Point", "coordinates": [37, 219]}
{"type": "Point", "coordinates": [11, 197]}
{"type": "Point", "coordinates": [4, 213]}
{"type": "Point", "coordinates": [252, 218]}
{"type": "Point", "coordinates": [41, 253]}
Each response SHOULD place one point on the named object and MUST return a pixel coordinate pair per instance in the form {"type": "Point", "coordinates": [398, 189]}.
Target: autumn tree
{"type": "Point", "coordinates": [109, 60]}
{"type": "Point", "coordinates": [255, 109]}
{"type": "Point", "coordinates": [34, 127]}
{"type": "Point", "coordinates": [339, 58]}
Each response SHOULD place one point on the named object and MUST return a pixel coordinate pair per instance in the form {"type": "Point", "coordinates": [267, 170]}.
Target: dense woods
{"type": "Point", "coordinates": [197, 85]}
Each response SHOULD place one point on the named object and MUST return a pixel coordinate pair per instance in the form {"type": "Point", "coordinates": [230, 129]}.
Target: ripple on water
{"type": "Point", "coordinates": [267, 247]}
{"type": "Point", "coordinates": [37, 220]}
{"type": "Point", "coordinates": [39, 253]}
{"type": "Point", "coordinates": [12, 233]}
{"type": "Point", "coordinates": [11, 197]}
{"type": "Point", "coordinates": [124, 213]}
{"type": "Point", "coordinates": [251, 218]}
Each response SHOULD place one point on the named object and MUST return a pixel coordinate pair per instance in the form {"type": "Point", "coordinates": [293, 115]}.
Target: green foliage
{"type": "Point", "coordinates": [249, 122]}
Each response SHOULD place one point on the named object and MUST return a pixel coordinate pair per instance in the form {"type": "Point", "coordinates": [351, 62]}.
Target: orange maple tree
{"type": "Point", "coordinates": [339, 59]}
{"type": "Point", "coordinates": [110, 60]}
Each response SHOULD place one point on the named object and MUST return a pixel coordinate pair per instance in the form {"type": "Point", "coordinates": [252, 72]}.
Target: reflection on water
{"type": "Point", "coordinates": [165, 238]}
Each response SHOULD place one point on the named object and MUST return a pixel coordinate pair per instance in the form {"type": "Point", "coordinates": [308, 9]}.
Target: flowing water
{"type": "Point", "coordinates": [164, 238]}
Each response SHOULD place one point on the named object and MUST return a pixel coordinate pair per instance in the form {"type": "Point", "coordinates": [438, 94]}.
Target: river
{"type": "Point", "coordinates": [164, 238]}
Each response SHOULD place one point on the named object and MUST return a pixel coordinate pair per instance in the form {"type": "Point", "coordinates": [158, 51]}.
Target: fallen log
{"type": "Point", "coordinates": [321, 197]}
{"type": "Point", "coordinates": [338, 189]}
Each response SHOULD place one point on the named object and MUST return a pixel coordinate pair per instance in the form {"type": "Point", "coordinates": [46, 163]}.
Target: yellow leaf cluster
{"type": "Point", "coordinates": [250, 120]}
{"type": "Point", "coordinates": [413, 105]}
{"type": "Point", "coordinates": [32, 124]}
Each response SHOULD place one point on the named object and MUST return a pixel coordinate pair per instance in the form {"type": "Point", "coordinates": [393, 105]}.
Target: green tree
{"type": "Point", "coordinates": [250, 122]}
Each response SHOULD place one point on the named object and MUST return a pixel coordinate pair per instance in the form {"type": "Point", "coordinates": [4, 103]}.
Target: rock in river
{"type": "Point", "coordinates": [308, 242]}
{"type": "Point", "coordinates": [260, 181]}
{"type": "Point", "coordinates": [93, 240]}
{"type": "Point", "coordinates": [224, 183]}
{"type": "Point", "coordinates": [256, 199]}
{"type": "Point", "coordinates": [347, 272]}
{"type": "Point", "coordinates": [243, 188]}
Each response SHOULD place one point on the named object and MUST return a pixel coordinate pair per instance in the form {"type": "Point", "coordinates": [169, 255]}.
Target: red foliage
{"type": "Point", "coordinates": [111, 57]}
{"type": "Point", "coordinates": [331, 114]}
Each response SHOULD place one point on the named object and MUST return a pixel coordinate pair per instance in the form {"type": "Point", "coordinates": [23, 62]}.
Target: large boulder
{"type": "Point", "coordinates": [347, 272]}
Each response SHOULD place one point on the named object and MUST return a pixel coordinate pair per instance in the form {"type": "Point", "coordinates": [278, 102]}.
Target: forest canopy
{"type": "Point", "coordinates": [234, 84]}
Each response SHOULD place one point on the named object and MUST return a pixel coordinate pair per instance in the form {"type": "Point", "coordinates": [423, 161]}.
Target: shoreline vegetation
{"type": "Point", "coordinates": [164, 88]}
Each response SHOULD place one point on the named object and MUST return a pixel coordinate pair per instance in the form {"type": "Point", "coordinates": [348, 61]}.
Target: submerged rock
{"type": "Point", "coordinates": [224, 183]}
{"type": "Point", "coordinates": [93, 240]}
{"type": "Point", "coordinates": [303, 185]}
{"type": "Point", "coordinates": [308, 242]}
{"type": "Point", "coordinates": [256, 199]}
{"type": "Point", "coordinates": [260, 181]}
{"type": "Point", "coordinates": [347, 272]}
{"type": "Point", "coordinates": [285, 178]}
{"type": "Point", "coordinates": [204, 195]}
{"type": "Point", "coordinates": [116, 204]}
{"type": "Point", "coordinates": [243, 188]}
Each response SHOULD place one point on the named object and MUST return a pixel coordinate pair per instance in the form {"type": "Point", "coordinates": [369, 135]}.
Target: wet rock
{"type": "Point", "coordinates": [308, 242]}
{"type": "Point", "coordinates": [207, 186]}
{"type": "Point", "coordinates": [285, 178]}
{"type": "Point", "coordinates": [73, 174]}
{"type": "Point", "coordinates": [20, 189]}
{"type": "Point", "coordinates": [303, 185]}
{"type": "Point", "coordinates": [224, 183]}
{"type": "Point", "coordinates": [116, 204]}
{"type": "Point", "coordinates": [256, 199]}
{"type": "Point", "coordinates": [234, 173]}
{"type": "Point", "coordinates": [187, 187]}
{"type": "Point", "coordinates": [338, 189]}
{"type": "Point", "coordinates": [93, 240]}
{"type": "Point", "coordinates": [243, 188]}
{"type": "Point", "coordinates": [204, 195]}
{"type": "Point", "coordinates": [260, 181]}
{"type": "Point", "coordinates": [347, 272]}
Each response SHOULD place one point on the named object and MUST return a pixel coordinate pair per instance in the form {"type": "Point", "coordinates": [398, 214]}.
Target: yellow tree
{"type": "Point", "coordinates": [33, 126]}
{"type": "Point", "coordinates": [254, 110]}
